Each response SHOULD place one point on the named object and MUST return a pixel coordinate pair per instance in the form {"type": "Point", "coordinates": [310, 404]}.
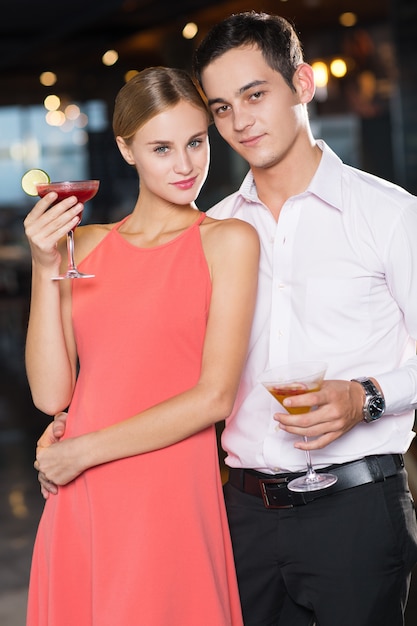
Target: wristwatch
{"type": "Point", "coordinates": [374, 405]}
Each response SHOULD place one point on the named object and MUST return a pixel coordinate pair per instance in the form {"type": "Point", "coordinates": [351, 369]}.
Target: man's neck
{"type": "Point", "coordinates": [288, 178]}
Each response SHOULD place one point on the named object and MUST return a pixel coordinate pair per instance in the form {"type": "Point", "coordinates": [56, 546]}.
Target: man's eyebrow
{"type": "Point", "coordinates": [253, 83]}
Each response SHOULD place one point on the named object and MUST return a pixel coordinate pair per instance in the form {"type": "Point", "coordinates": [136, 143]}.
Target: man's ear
{"type": "Point", "coordinates": [304, 83]}
{"type": "Point", "coordinates": [125, 150]}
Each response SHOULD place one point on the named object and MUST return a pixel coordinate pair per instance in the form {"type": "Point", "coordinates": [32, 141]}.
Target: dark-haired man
{"type": "Point", "coordinates": [338, 282]}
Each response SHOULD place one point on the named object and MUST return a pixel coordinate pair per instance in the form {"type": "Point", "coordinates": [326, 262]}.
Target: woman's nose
{"type": "Point", "coordinates": [183, 163]}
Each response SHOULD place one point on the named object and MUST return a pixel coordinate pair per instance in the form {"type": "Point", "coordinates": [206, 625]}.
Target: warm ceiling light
{"type": "Point", "coordinates": [72, 112]}
{"type": "Point", "coordinates": [55, 118]}
{"type": "Point", "coordinates": [130, 74]}
{"type": "Point", "coordinates": [190, 30]}
{"type": "Point", "coordinates": [110, 57]}
{"type": "Point", "coordinates": [321, 75]}
{"type": "Point", "coordinates": [52, 103]}
{"type": "Point", "coordinates": [338, 68]}
{"type": "Point", "coordinates": [47, 79]}
{"type": "Point", "coordinates": [81, 121]}
{"type": "Point", "coordinates": [348, 19]}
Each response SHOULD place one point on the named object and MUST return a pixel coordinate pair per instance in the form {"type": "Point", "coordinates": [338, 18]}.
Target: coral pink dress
{"type": "Point", "coordinates": [142, 541]}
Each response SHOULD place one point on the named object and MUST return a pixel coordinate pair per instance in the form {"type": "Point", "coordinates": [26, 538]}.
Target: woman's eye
{"type": "Point", "coordinates": [195, 143]}
{"type": "Point", "coordinates": [161, 149]}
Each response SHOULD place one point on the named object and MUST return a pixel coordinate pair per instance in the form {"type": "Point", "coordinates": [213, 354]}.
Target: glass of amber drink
{"type": "Point", "coordinates": [295, 379]}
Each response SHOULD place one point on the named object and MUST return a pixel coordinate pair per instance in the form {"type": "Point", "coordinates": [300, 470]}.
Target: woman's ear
{"type": "Point", "coordinates": [304, 83]}
{"type": "Point", "coordinates": [125, 150]}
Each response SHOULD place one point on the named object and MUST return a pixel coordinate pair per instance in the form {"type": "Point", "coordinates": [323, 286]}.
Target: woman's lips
{"type": "Point", "coordinates": [185, 184]}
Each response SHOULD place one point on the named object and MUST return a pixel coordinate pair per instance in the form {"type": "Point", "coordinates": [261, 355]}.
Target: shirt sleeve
{"type": "Point", "coordinates": [400, 386]}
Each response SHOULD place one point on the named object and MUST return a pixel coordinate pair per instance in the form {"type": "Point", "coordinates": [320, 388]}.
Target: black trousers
{"type": "Point", "coordinates": [341, 560]}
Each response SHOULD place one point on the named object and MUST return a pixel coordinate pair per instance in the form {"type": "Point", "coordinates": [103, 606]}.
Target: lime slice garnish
{"type": "Point", "coordinates": [32, 178]}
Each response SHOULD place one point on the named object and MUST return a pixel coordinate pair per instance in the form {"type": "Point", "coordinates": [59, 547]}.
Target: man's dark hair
{"type": "Point", "coordinates": [272, 34]}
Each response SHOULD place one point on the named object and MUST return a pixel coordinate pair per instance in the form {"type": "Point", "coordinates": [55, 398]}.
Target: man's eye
{"type": "Point", "coordinates": [222, 109]}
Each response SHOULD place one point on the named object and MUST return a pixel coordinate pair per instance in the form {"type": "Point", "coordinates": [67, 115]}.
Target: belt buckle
{"type": "Point", "coordinates": [263, 483]}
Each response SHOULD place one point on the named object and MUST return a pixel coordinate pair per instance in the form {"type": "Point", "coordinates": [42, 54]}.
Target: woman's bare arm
{"type": "Point", "coordinates": [232, 250]}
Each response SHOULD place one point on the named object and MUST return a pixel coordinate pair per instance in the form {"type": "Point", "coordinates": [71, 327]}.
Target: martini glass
{"type": "Point", "coordinates": [294, 379]}
{"type": "Point", "coordinates": [84, 190]}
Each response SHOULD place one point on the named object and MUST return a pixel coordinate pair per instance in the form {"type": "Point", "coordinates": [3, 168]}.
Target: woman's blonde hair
{"type": "Point", "coordinates": [149, 93]}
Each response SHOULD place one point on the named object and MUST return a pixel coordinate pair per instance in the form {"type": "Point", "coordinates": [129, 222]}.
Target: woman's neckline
{"type": "Point", "coordinates": [116, 230]}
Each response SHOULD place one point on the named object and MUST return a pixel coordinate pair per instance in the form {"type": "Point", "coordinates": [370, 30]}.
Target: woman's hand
{"type": "Point", "coordinates": [52, 434]}
{"type": "Point", "coordinates": [61, 462]}
{"type": "Point", "coordinates": [47, 223]}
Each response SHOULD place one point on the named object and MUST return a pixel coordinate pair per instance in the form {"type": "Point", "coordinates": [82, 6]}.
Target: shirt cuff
{"type": "Point", "coordinates": [400, 389]}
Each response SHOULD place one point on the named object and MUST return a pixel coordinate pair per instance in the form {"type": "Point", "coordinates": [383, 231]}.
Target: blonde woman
{"type": "Point", "coordinates": [137, 532]}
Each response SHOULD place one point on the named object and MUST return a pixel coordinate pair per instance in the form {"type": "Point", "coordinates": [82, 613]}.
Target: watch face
{"type": "Point", "coordinates": [376, 407]}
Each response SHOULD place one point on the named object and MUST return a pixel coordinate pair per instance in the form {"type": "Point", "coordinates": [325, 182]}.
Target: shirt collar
{"type": "Point", "coordinates": [326, 183]}
{"type": "Point", "coordinates": [248, 188]}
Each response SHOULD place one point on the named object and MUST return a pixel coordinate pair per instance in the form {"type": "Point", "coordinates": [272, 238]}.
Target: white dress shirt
{"type": "Point", "coordinates": [338, 283]}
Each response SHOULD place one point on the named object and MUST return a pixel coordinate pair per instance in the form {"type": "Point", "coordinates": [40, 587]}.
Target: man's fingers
{"type": "Point", "coordinates": [59, 424]}
{"type": "Point", "coordinates": [47, 486]}
{"type": "Point", "coordinates": [58, 430]}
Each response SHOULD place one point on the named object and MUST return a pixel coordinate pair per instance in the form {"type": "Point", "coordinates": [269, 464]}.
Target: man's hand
{"type": "Point", "coordinates": [337, 409]}
{"type": "Point", "coordinates": [52, 434]}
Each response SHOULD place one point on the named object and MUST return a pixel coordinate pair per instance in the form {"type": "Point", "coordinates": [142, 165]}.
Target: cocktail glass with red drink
{"type": "Point", "coordinates": [84, 190]}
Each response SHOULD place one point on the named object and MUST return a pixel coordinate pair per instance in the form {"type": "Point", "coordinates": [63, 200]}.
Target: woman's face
{"type": "Point", "coordinates": [171, 153]}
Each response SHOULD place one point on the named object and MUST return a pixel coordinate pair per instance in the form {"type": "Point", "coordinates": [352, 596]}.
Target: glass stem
{"type": "Point", "coordinates": [70, 249]}
{"type": "Point", "coordinates": [311, 474]}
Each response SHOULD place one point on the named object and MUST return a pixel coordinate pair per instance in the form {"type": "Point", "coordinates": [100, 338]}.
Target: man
{"type": "Point", "coordinates": [337, 282]}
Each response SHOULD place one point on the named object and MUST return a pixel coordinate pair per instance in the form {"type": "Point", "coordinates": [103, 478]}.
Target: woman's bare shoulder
{"type": "Point", "coordinates": [228, 241]}
{"type": "Point", "coordinates": [230, 228]}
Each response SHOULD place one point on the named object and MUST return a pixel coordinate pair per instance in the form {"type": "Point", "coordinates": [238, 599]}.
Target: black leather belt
{"type": "Point", "coordinates": [272, 488]}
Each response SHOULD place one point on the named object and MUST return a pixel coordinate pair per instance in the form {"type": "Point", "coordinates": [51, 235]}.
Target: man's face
{"type": "Point", "coordinates": [253, 108]}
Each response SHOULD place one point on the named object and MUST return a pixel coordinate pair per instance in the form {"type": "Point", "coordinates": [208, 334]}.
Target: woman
{"type": "Point", "coordinates": [137, 533]}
